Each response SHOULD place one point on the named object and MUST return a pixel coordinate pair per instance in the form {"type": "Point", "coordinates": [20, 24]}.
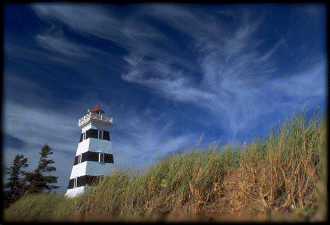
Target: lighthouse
{"type": "Point", "coordinates": [93, 157]}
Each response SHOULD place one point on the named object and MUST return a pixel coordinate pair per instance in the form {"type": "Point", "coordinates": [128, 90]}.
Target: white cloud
{"type": "Point", "coordinates": [268, 54]}
{"type": "Point", "coordinates": [143, 130]}
{"type": "Point", "coordinates": [60, 45]}
{"type": "Point", "coordinates": [235, 83]}
{"type": "Point", "coordinates": [308, 83]}
{"type": "Point", "coordinates": [36, 127]}
{"type": "Point", "coordinates": [94, 20]}
{"type": "Point", "coordinates": [84, 18]}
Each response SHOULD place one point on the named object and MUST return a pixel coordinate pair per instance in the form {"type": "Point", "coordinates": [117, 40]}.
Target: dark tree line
{"type": "Point", "coordinates": [21, 183]}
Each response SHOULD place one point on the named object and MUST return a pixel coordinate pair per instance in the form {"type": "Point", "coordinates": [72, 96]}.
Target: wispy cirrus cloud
{"type": "Point", "coordinates": [235, 64]}
{"type": "Point", "coordinates": [96, 21]}
{"type": "Point", "coordinates": [83, 18]}
{"type": "Point", "coordinates": [34, 126]}
{"type": "Point", "coordinates": [163, 78]}
{"type": "Point", "coordinates": [236, 67]}
{"type": "Point", "coordinates": [308, 83]}
{"type": "Point", "coordinates": [58, 44]}
{"type": "Point", "coordinates": [144, 134]}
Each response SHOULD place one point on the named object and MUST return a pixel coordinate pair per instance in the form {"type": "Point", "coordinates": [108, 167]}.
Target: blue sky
{"type": "Point", "coordinates": [165, 72]}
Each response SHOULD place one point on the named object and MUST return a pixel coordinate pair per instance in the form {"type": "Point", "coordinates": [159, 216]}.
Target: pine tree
{"type": "Point", "coordinates": [38, 182]}
{"type": "Point", "coordinates": [15, 183]}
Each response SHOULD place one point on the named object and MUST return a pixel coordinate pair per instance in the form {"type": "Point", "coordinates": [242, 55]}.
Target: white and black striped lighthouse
{"type": "Point", "coordinates": [93, 157]}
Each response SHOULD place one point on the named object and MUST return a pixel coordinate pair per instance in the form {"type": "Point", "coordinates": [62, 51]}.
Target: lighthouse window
{"type": "Point", "coordinates": [101, 157]}
{"type": "Point", "coordinates": [108, 158]}
{"type": "Point", "coordinates": [79, 158]}
{"type": "Point", "coordinates": [90, 156]}
{"type": "Point", "coordinates": [100, 134]}
{"type": "Point", "coordinates": [89, 180]}
{"type": "Point", "coordinates": [75, 182]}
{"type": "Point", "coordinates": [91, 133]}
{"type": "Point", "coordinates": [84, 134]}
{"type": "Point", "coordinates": [70, 184]}
{"type": "Point", "coordinates": [75, 160]}
{"type": "Point", "coordinates": [106, 135]}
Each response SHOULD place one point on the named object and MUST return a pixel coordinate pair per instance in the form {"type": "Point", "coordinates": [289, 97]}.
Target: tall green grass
{"type": "Point", "coordinates": [285, 172]}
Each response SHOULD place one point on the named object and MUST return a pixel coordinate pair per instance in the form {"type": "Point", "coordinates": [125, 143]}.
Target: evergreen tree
{"type": "Point", "coordinates": [38, 182]}
{"type": "Point", "coordinates": [15, 183]}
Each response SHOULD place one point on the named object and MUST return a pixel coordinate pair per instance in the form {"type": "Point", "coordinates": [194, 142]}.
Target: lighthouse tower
{"type": "Point", "coordinates": [93, 157]}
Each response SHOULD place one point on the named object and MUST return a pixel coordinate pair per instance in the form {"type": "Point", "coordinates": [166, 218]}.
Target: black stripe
{"type": "Point", "coordinates": [85, 180]}
{"type": "Point", "coordinates": [94, 157]}
{"type": "Point", "coordinates": [93, 133]}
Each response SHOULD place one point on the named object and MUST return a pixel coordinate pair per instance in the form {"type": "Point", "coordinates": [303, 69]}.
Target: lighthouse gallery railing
{"type": "Point", "coordinates": [94, 116]}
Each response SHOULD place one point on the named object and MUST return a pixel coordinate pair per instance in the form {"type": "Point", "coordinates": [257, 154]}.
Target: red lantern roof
{"type": "Point", "coordinates": [96, 109]}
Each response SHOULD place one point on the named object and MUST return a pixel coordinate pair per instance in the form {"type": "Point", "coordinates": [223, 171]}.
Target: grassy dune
{"type": "Point", "coordinates": [282, 177]}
